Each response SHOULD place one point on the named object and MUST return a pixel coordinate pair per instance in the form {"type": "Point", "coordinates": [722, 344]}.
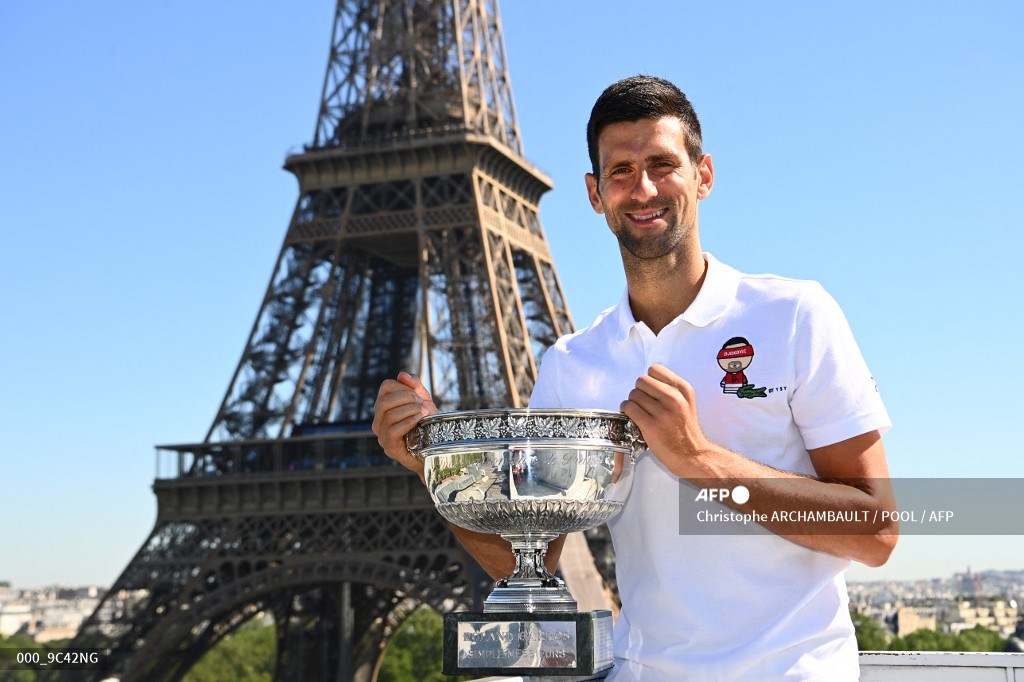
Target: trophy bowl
{"type": "Point", "coordinates": [528, 475]}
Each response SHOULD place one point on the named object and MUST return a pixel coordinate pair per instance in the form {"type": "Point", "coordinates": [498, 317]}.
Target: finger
{"type": "Point", "coordinates": [395, 444]}
{"type": "Point", "coordinates": [401, 413]}
{"type": "Point", "coordinates": [645, 402]}
{"type": "Point", "coordinates": [656, 389]}
{"type": "Point", "coordinates": [676, 390]}
{"type": "Point", "coordinates": [667, 376]}
{"type": "Point", "coordinates": [662, 373]}
{"type": "Point", "coordinates": [640, 416]}
{"type": "Point", "coordinates": [390, 386]}
{"type": "Point", "coordinates": [389, 398]}
{"type": "Point", "coordinates": [413, 382]}
{"type": "Point", "coordinates": [397, 399]}
{"type": "Point", "coordinates": [632, 410]}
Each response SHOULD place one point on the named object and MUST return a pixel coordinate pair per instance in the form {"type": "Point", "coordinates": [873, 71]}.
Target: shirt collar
{"type": "Point", "coordinates": [716, 294]}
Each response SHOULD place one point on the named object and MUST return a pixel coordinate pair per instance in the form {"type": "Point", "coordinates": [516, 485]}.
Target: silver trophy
{"type": "Point", "coordinates": [529, 476]}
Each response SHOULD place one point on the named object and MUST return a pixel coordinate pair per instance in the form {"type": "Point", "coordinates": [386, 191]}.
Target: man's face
{"type": "Point", "coordinates": [735, 364]}
{"type": "Point", "coordinates": [647, 187]}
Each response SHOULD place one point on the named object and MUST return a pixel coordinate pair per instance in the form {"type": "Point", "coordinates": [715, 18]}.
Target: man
{"type": "Point", "coordinates": [802, 431]}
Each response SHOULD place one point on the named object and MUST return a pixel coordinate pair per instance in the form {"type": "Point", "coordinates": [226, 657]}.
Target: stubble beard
{"type": "Point", "coordinates": [650, 247]}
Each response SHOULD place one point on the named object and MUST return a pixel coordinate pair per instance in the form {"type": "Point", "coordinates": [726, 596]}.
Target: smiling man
{"type": "Point", "coordinates": [801, 429]}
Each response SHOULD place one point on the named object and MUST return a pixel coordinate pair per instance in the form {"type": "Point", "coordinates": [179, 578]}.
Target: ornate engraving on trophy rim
{"type": "Point", "coordinates": [442, 429]}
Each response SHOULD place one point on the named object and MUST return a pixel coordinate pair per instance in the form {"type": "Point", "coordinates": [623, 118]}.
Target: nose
{"type": "Point", "coordinates": [643, 188]}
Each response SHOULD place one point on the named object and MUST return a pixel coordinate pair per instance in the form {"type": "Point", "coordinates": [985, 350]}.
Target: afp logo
{"type": "Point", "coordinates": [739, 494]}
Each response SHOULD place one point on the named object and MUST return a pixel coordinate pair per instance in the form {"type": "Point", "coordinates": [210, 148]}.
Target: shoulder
{"type": "Point", "coordinates": [770, 287]}
{"type": "Point", "coordinates": [799, 297]}
{"type": "Point", "coordinates": [604, 328]}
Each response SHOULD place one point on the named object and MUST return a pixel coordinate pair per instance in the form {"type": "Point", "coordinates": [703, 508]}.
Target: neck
{"type": "Point", "coordinates": [661, 289]}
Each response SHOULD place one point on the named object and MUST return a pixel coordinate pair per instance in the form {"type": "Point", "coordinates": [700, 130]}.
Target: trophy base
{"type": "Point", "coordinates": [537, 644]}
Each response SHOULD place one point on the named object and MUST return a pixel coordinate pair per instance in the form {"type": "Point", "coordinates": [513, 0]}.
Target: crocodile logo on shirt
{"type": "Point", "coordinates": [734, 359]}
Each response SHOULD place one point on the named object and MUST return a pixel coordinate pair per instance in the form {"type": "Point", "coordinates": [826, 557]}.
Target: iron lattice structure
{"type": "Point", "coordinates": [415, 245]}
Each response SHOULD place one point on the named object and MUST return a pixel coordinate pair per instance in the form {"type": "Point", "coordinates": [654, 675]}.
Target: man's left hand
{"type": "Point", "coordinates": [664, 406]}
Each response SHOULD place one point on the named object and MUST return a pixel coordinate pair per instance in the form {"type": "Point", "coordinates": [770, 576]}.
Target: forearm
{"type": "Point", "coordinates": [780, 497]}
{"type": "Point", "coordinates": [494, 553]}
{"type": "Point", "coordinates": [400, 405]}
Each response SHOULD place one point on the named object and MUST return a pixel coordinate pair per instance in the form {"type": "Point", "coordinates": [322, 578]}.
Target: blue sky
{"type": "Point", "coordinates": [875, 147]}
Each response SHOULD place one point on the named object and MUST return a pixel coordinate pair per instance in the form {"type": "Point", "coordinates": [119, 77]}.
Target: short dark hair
{"type": "Point", "coordinates": [641, 97]}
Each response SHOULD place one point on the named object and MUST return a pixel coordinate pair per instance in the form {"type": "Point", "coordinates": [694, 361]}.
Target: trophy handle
{"type": "Point", "coordinates": [634, 439]}
{"type": "Point", "coordinates": [412, 443]}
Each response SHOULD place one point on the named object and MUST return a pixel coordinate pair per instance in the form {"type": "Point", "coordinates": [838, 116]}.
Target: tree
{"type": "Point", "coordinates": [9, 670]}
{"type": "Point", "coordinates": [922, 640]}
{"type": "Point", "coordinates": [870, 635]}
{"type": "Point", "coordinates": [246, 655]}
{"type": "Point", "coordinates": [414, 653]}
{"type": "Point", "coordinates": [873, 637]}
{"type": "Point", "coordinates": [979, 638]}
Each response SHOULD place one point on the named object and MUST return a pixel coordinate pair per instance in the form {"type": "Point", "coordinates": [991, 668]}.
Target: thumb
{"type": "Point", "coordinates": [665, 375]}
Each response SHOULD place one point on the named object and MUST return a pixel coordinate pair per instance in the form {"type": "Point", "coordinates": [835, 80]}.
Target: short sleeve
{"type": "Point", "coordinates": [835, 397]}
{"type": "Point", "coordinates": [545, 394]}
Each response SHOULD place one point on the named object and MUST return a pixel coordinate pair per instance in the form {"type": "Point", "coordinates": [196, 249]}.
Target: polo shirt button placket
{"type": "Point", "coordinates": [649, 341]}
{"type": "Point", "coordinates": [654, 354]}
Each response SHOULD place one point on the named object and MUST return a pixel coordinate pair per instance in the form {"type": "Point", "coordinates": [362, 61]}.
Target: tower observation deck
{"type": "Point", "coordinates": [415, 245]}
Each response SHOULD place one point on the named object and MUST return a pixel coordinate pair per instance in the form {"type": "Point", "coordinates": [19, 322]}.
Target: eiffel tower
{"type": "Point", "coordinates": [415, 245]}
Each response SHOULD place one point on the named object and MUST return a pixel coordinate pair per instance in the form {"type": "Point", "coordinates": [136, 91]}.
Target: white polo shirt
{"type": "Point", "coordinates": [714, 607]}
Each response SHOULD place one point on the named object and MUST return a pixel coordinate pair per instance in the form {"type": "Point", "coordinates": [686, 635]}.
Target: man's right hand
{"type": "Point", "coordinates": [400, 405]}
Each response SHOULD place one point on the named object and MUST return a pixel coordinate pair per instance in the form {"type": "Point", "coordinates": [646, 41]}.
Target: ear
{"type": "Point", "coordinates": [705, 176]}
{"type": "Point", "coordinates": [593, 194]}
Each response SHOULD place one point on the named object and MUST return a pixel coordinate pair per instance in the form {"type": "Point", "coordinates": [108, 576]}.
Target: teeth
{"type": "Point", "coordinates": [648, 216]}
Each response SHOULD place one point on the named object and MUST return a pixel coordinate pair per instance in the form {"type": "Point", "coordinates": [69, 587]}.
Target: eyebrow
{"type": "Point", "coordinates": [666, 156]}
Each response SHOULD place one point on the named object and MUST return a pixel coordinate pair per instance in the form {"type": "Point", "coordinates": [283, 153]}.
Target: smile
{"type": "Point", "coordinates": [644, 217]}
